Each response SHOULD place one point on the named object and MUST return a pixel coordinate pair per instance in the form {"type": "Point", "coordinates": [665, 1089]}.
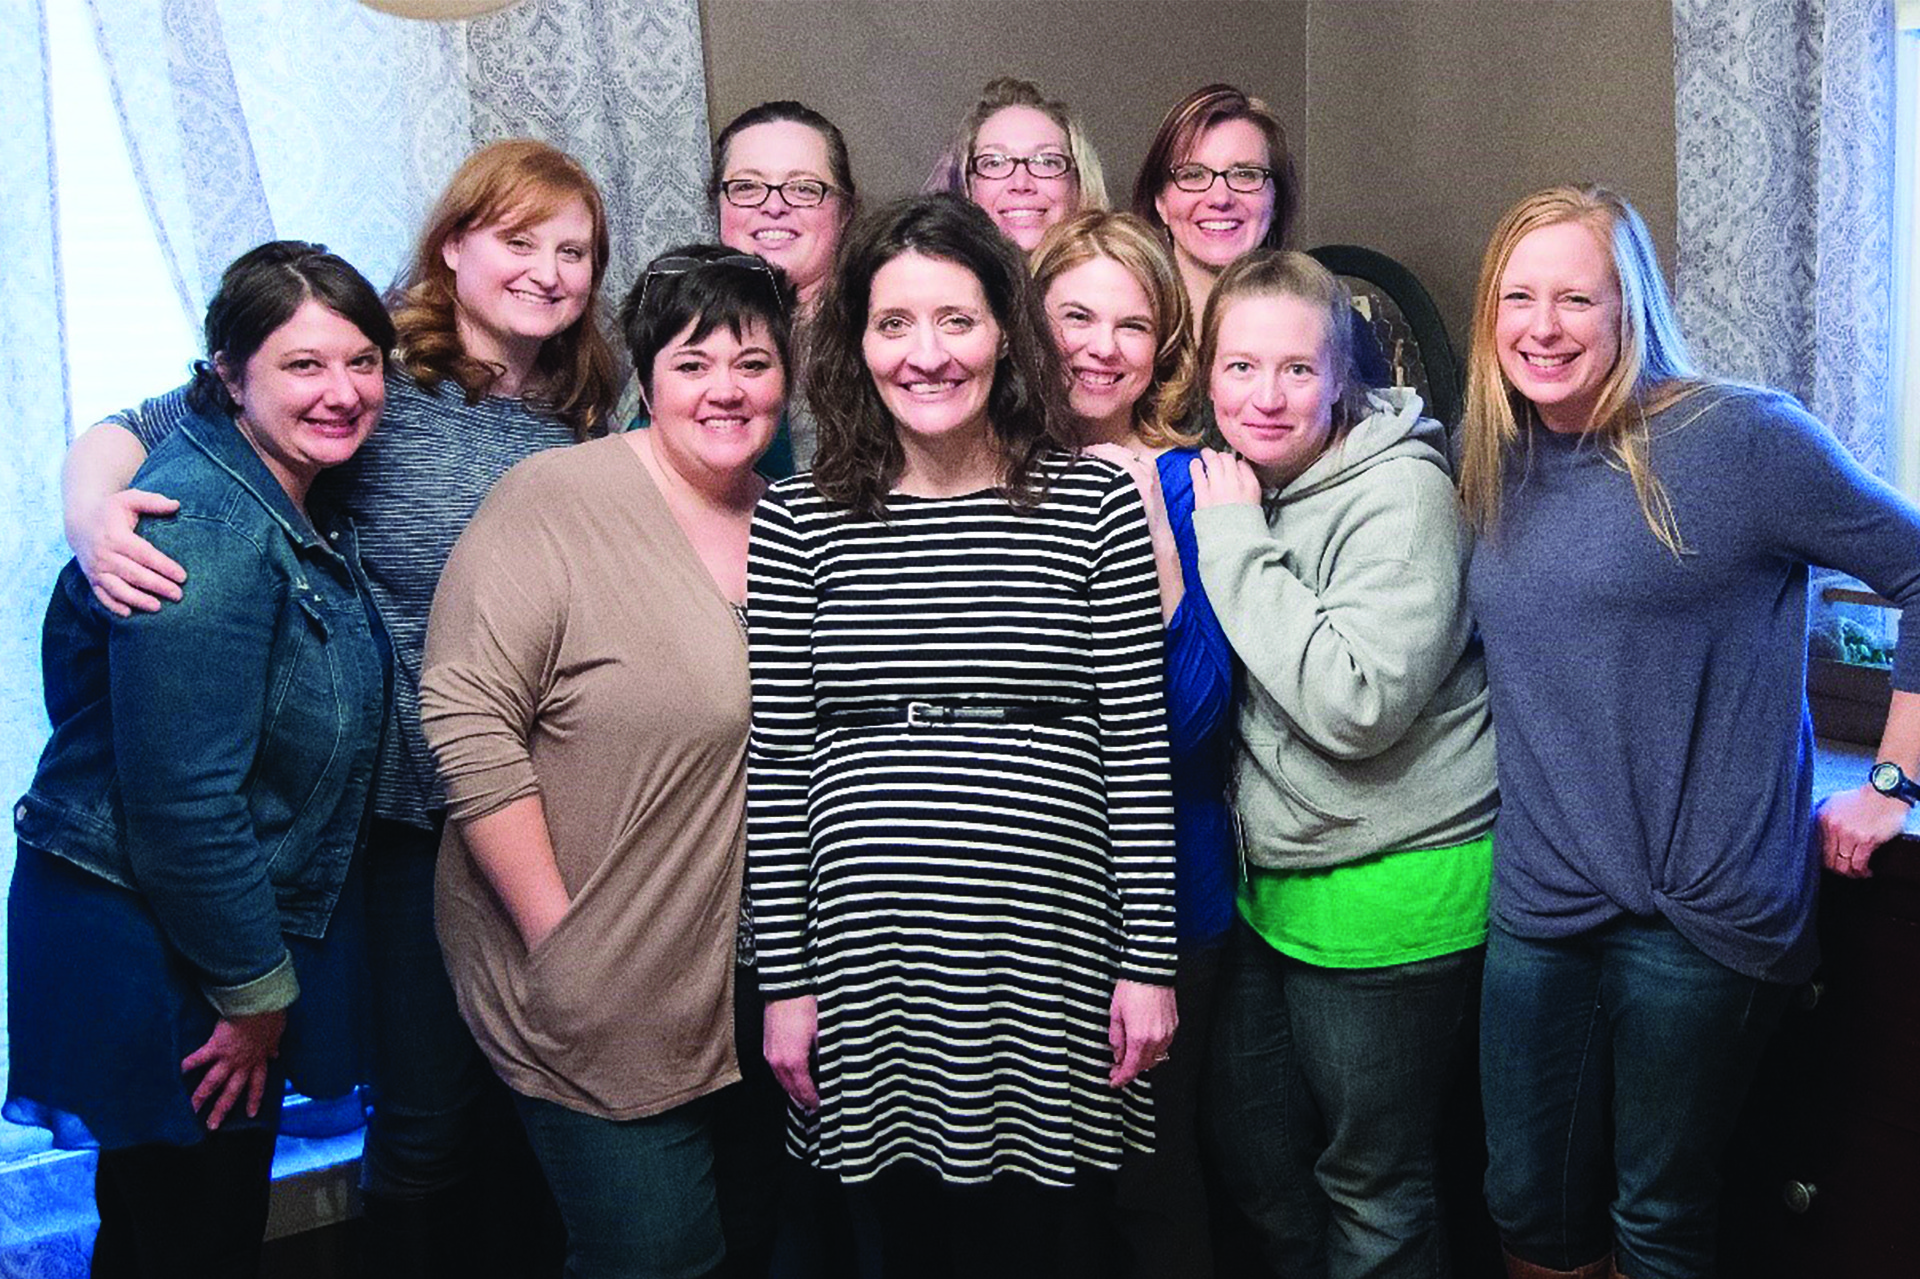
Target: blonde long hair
{"type": "Point", "coordinates": [1652, 372]}
{"type": "Point", "coordinates": [1158, 415]}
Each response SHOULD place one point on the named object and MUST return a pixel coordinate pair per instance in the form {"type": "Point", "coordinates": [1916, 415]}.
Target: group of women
{"type": "Point", "coordinates": [1069, 784]}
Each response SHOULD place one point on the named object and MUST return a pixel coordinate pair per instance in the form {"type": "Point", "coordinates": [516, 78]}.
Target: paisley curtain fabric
{"type": "Point", "coordinates": [326, 120]}
{"type": "Point", "coordinates": [1784, 118]}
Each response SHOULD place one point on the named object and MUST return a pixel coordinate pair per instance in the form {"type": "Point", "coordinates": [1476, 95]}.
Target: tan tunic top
{"type": "Point", "coordinates": [580, 650]}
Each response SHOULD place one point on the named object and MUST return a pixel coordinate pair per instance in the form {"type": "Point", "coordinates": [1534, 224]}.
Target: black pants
{"type": "Point", "coordinates": [184, 1212]}
{"type": "Point", "coordinates": [908, 1224]}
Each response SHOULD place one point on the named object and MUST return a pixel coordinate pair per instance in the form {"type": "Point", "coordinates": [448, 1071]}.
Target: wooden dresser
{"type": "Point", "coordinates": [1824, 1176]}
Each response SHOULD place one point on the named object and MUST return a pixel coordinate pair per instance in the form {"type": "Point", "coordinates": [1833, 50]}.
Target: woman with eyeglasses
{"type": "Point", "coordinates": [783, 188]}
{"type": "Point", "coordinates": [1218, 181]}
{"type": "Point", "coordinates": [958, 807]}
{"type": "Point", "coordinates": [500, 356]}
{"type": "Point", "coordinates": [1024, 158]}
{"type": "Point", "coordinates": [585, 694]}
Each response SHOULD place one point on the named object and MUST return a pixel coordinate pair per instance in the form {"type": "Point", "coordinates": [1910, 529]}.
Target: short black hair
{"type": "Point", "coordinates": [260, 291]}
{"type": "Point", "coordinates": [727, 287]}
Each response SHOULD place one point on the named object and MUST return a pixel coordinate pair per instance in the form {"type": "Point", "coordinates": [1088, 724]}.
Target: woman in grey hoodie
{"type": "Point", "coordinates": [1333, 549]}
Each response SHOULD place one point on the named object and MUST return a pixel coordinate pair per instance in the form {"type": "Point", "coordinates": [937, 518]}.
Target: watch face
{"type": "Point", "coordinates": [1886, 777]}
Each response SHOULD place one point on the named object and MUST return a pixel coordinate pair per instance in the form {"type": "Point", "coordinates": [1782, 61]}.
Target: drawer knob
{"type": "Point", "coordinates": [1808, 997]}
{"type": "Point", "coordinates": [1799, 1196]}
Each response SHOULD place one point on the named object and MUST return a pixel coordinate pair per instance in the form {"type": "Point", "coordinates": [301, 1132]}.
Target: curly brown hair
{"type": "Point", "coordinates": [521, 183]}
{"type": "Point", "coordinates": [860, 458]}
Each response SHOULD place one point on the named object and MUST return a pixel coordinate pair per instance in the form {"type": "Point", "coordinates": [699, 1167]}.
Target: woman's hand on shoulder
{"type": "Point", "coordinates": [1221, 478]}
{"type": "Point", "coordinates": [236, 1057]}
{"type": "Point", "coordinates": [791, 1028]}
{"type": "Point", "coordinates": [1146, 477]}
{"type": "Point", "coordinates": [1853, 824]}
{"type": "Point", "coordinates": [126, 571]}
{"type": "Point", "coordinates": [1139, 1028]}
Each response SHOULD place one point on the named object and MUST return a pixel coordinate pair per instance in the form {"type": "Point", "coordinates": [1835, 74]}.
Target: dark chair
{"type": "Point", "coordinates": [1405, 323]}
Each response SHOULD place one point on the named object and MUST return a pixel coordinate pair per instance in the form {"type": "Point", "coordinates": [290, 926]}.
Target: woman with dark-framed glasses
{"type": "Point", "coordinates": [1219, 181]}
{"type": "Point", "coordinates": [783, 188]}
{"type": "Point", "coordinates": [1024, 158]}
{"type": "Point", "coordinates": [585, 694]}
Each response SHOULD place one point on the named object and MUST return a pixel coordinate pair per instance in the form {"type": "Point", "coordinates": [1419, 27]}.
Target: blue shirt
{"type": "Point", "coordinates": [1200, 675]}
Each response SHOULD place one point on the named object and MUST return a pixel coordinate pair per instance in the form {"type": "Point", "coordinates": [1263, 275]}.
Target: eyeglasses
{"type": "Point", "coordinates": [1244, 178]}
{"type": "Point", "coordinates": [751, 193]}
{"type": "Point", "coordinates": [993, 165]}
{"type": "Point", "coordinates": [681, 265]}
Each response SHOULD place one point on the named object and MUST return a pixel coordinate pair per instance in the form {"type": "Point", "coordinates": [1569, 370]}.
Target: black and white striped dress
{"type": "Point", "coordinates": [961, 899]}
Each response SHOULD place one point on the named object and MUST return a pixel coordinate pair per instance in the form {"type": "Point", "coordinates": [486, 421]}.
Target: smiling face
{"type": "Point", "coordinates": [1557, 329]}
{"type": "Point", "coordinates": [309, 397]}
{"type": "Point", "coordinates": [800, 242]}
{"type": "Point", "coordinates": [1211, 228]}
{"type": "Point", "coordinates": [714, 404]}
{"type": "Point", "coordinates": [516, 286]}
{"type": "Point", "coordinates": [1021, 205]}
{"type": "Point", "coordinates": [1103, 319]}
{"type": "Point", "coordinates": [1273, 384]}
{"type": "Point", "coordinates": [931, 345]}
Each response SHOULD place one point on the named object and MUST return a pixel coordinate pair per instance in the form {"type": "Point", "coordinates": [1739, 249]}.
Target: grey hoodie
{"type": "Point", "coordinates": [1364, 726]}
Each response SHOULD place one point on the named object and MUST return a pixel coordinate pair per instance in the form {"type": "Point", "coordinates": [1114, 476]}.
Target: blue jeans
{"type": "Point", "coordinates": [1328, 1086]}
{"type": "Point", "coordinates": [1625, 1037]}
{"type": "Point", "coordinates": [637, 1194]}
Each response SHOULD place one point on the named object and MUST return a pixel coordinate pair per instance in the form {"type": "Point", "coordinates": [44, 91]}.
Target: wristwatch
{"type": "Point", "coordinates": [1889, 779]}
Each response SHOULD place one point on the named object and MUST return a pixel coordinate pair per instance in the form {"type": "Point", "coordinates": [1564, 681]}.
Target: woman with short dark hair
{"type": "Point", "coordinates": [184, 919]}
{"type": "Point", "coordinates": [585, 694]}
{"type": "Point", "coordinates": [960, 825]}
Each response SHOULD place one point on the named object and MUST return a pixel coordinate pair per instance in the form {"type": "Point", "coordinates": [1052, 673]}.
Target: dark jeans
{"type": "Point", "coordinates": [909, 1224]}
{"type": "Point", "coordinates": [184, 1212]}
{"type": "Point", "coordinates": [1327, 1100]}
{"type": "Point", "coordinates": [637, 1194]}
{"type": "Point", "coordinates": [1628, 1039]}
{"type": "Point", "coordinates": [452, 1186]}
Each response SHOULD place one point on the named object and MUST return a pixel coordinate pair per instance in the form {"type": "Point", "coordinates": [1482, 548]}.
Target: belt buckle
{"type": "Point", "coordinates": [921, 714]}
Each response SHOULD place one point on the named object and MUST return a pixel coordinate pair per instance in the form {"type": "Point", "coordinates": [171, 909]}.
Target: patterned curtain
{"type": "Point", "coordinates": [1784, 116]}
{"type": "Point", "coordinates": [325, 120]}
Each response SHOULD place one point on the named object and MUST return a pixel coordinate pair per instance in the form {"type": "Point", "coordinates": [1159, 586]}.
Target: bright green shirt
{"type": "Point", "coordinates": [1391, 908]}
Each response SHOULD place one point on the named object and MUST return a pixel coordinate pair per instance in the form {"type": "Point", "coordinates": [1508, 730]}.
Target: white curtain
{"type": "Point", "coordinates": [1784, 117]}
{"type": "Point", "coordinates": [325, 120]}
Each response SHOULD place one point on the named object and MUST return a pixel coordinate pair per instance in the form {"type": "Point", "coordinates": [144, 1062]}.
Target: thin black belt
{"type": "Point", "coordinates": [927, 714]}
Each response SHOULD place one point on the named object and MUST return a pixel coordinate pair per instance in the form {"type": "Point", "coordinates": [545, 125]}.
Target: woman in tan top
{"type": "Point", "coordinates": [585, 694]}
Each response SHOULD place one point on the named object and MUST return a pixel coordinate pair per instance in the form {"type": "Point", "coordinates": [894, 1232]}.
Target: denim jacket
{"type": "Point", "coordinates": [217, 756]}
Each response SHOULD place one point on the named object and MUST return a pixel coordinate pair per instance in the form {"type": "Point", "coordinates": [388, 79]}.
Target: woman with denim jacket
{"type": "Point", "coordinates": [183, 938]}
{"type": "Point", "coordinates": [500, 356]}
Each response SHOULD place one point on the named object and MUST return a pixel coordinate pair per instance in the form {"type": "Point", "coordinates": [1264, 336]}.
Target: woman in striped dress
{"type": "Point", "coordinates": [959, 823]}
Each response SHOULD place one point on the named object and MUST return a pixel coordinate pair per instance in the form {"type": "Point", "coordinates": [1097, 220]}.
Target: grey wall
{"type": "Point", "coordinates": [897, 76]}
{"type": "Point", "coordinates": [1427, 118]}
{"type": "Point", "coordinates": [1416, 121]}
